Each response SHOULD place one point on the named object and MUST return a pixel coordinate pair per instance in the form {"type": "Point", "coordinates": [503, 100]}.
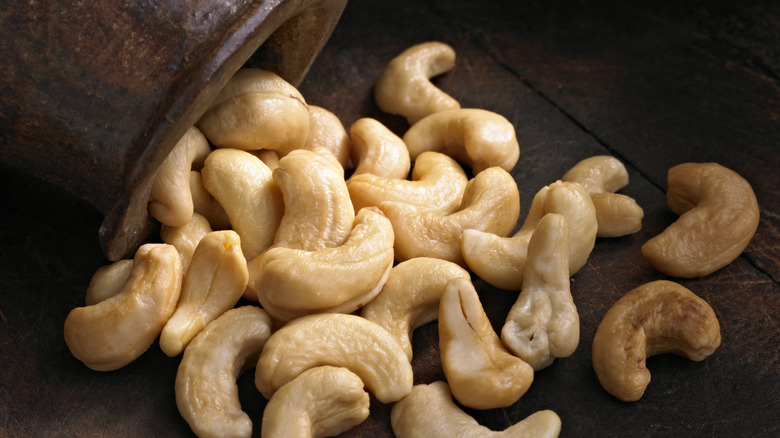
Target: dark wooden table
{"type": "Point", "coordinates": [654, 83]}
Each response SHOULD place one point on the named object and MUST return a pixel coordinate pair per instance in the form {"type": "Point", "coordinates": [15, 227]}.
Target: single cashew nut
{"type": "Point", "coordinates": [658, 317]}
{"type": "Point", "coordinates": [429, 412]}
{"type": "Point", "coordinates": [481, 372]}
{"type": "Point", "coordinates": [501, 260]}
{"type": "Point", "coordinates": [327, 131]}
{"type": "Point", "coordinates": [491, 203]}
{"type": "Point", "coordinates": [377, 150]}
{"type": "Point", "coordinates": [404, 87]}
{"type": "Point", "coordinates": [336, 339]}
{"type": "Point", "coordinates": [475, 137]}
{"type": "Point", "coordinates": [206, 389]}
{"type": "Point", "coordinates": [112, 333]}
{"type": "Point", "coordinates": [319, 402]}
{"type": "Point", "coordinates": [186, 238]}
{"type": "Point", "coordinates": [108, 281]}
{"type": "Point", "coordinates": [206, 205]}
{"type": "Point", "coordinates": [257, 109]}
{"type": "Point", "coordinates": [719, 216]}
{"type": "Point", "coordinates": [543, 324]}
{"type": "Point", "coordinates": [410, 298]}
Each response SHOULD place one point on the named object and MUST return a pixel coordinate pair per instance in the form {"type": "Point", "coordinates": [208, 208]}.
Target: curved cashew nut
{"type": "Point", "coordinates": [186, 238]}
{"type": "Point", "coordinates": [206, 389]}
{"type": "Point", "coordinates": [170, 199]}
{"type": "Point", "coordinates": [475, 137]}
{"type": "Point", "coordinates": [719, 216]}
{"type": "Point", "coordinates": [543, 323]}
{"type": "Point", "coordinates": [206, 205]}
{"type": "Point", "coordinates": [290, 282]}
{"type": "Point", "coordinates": [410, 298]}
{"type": "Point", "coordinates": [377, 150]}
{"type": "Point", "coordinates": [602, 176]}
{"type": "Point", "coordinates": [501, 260]}
{"type": "Point", "coordinates": [481, 372]}
{"type": "Point", "coordinates": [213, 286]}
{"type": "Point", "coordinates": [327, 131]}
{"type": "Point", "coordinates": [491, 203]}
{"type": "Point", "coordinates": [437, 185]}
{"type": "Point", "coordinates": [321, 401]}
{"type": "Point", "coordinates": [429, 412]}
{"type": "Point", "coordinates": [337, 339]}
{"type": "Point", "coordinates": [404, 87]}
{"type": "Point", "coordinates": [657, 317]}
{"type": "Point", "coordinates": [257, 109]}
{"type": "Point", "coordinates": [108, 281]}
{"type": "Point", "coordinates": [114, 332]}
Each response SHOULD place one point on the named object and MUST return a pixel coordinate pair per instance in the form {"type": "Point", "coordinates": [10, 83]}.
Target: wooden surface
{"type": "Point", "coordinates": [653, 83]}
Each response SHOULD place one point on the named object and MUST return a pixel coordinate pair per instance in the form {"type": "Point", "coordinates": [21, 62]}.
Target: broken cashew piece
{"type": "Point", "coordinates": [429, 412]}
{"type": "Point", "coordinates": [112, 333]}
{"type": "Point", "coordinates": [186, 238]}
{"type": "Point", "coordinates": [336, 339]}
{"type": "Point", "coordinates": [718, 218]}
{"type": "Point", "coordinates": [481, 372]}
{"type": "Point", "coordinates": [327, 131]}
{"type": "Point", "coordinates": [377, 150]}
{"type": "Point", "coordinates": [404, 88]}
{"type": "Point", "coordinates": [543, 324]}
{"type": "Point", "coordinates": [658, 317]}
{"type": "Point", "coordinates": [108, 281]}
{"type": "Point", "coordinates": [206, 389]}
{"type": "Point", "coordinates": [319, 402]}
{"type": "Point", "coordinates": [475, 137]}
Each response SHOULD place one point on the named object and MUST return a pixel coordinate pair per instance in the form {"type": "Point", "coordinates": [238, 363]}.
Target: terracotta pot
{"type": "Point", "coordinates": [94, 94]}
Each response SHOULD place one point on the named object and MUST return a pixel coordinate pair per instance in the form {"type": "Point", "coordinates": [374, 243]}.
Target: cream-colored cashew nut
{"type": "Point", "coordinates": [112, 333]}
{"type": "Point", "coordinates": [429, 412]}
{"type": "Point", "coordinates": [327, 131]}
{"type": "Point", "coordinates": [108, 281]}
{"type": "Point", "coordinates": [319, 402]}
{"type": "Point", "coordinates": [186, 238]}
{"type": "Point", "coordinates": [257, 109]}
{"type": "Point", "coordinates": [206, 205]}
{"type": "Point", "coordinates": [336, 339]}
{"type": "Point", "coordinates": [290, 283]}
{"type": "Point", "coordinates": [206, 389]}
{"type": "Point", "coordinates": [481, 372]}
{"type": "Point", "coordinates": [491, 203]}
{"type": "Point", "coordinates": [411, 297]}
{"type": "Point", "coordinates": [475, 137]}
{"type": "Point", "coordinates": [501, 260]}
{"type": "Point", "coordinates": [718, 218]}
{"type": "Point", "coordinates": [543, 324]}
{"type": "Point", "coordinates": [405, 88]}
{"type": "Point", "coordinates": [377, 150]}
{"type": "Point", "coordinates": [658, 317]}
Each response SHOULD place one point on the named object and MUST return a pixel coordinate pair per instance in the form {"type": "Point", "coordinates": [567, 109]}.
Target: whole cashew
{"type": "Point", "coordinates": [186, 238]}
{"type": "Point", "coordinates": [336, 339]}
{"type": "Point", "coordinates": [319, 402]}
{"type": "Point", "coordinates": [491, 203]}
{"type": "Point", "coordinates": [206, 389]}
{"type": "Point", "coordinates": [543, 323]}
{"type": "Point", "coordinates": [719, 216]}
{"type": "Point", "coordinates": [475, 137]}
{"type": "Point", "coordinates": [377, 150]}
{"type": "Point", "coordinates": [112, 333]}
{"type": "Point", "coordinates": [327, 131]}
{"type": "Point", "coordinates": [437, 185]}
{"type": "Point", "coordinates": [657, 317]}
{"type": "Point", "coordinates": [108, 281]}
{"type": "Point", "coordinates": [410, 298]}
{"type": "Point", "coordinates": [501, 260]}
{"type": "Point", "coordinates": [206, 205]}
{"type": "Point", "coordinates": [429, 412]}
{"type": "Point", "coordinates": [404, 87]}
{"type": "Point", "coordinates": [257, 109]}
{"type": "Point", "coordinates": [481, 372]}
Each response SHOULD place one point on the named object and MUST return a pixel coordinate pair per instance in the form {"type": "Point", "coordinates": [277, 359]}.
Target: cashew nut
{"type": "Point", "coordinates": [475, 137]}
{"type": "Point", "coordinates": [377, 150]}
{"type": "Point", "coordinates": [108, 281]}
{"type": "Point", "coordinates": [491, 203]}
{"type": "Point", "coordinates": [269, 157]}
{"type": "Point", "coordinates": [481, 372]}
{"type": "Point", "coordinates": [214, 285]}
{"type": "Point", "coordinates": [404, 87]}
{"type": "Point", "coordinates": [501, 260]}
{"type": "Point", "coordinates": [327, 131]}
{"type": "Point", "coordinates": [112, 333]}
{"type": "Point", "coordinates": [206, 389]}
{"type": "Point", "coordinates": [257, 109]}
{"type": "Point", "coordinates": [319, 402]}
{"type": "Point", "coordinates": [186, 238]}
{"type": "Point", "coordinates": [543, 323]}
{"type": "Point", "coordinates": [336, 339]}
{"type": "Point", "coordinates": [658, 317]}
{"type": "Point", "coordinates": [429, 412]}
{"type": "Point", "coordinates": [206, 205]}
{"type": "Point", "coordinates": [719, 216]}
{"type": "Point", "coordinates": [410, 298]}
{"type": "Point", "coordinates": [293, 282]}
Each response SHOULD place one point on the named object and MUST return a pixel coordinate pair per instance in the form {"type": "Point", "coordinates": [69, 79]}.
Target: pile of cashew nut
{"type": "Point", "coordinates": [311, 254]}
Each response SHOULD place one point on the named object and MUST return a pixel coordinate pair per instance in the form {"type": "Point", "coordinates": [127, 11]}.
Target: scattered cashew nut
{"type": "Point", "coordinates": [186, 238]}
{"type": "Point", "coordinates": [377, 150]}
{"type": "Point", "coordinates": [327, 131]}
